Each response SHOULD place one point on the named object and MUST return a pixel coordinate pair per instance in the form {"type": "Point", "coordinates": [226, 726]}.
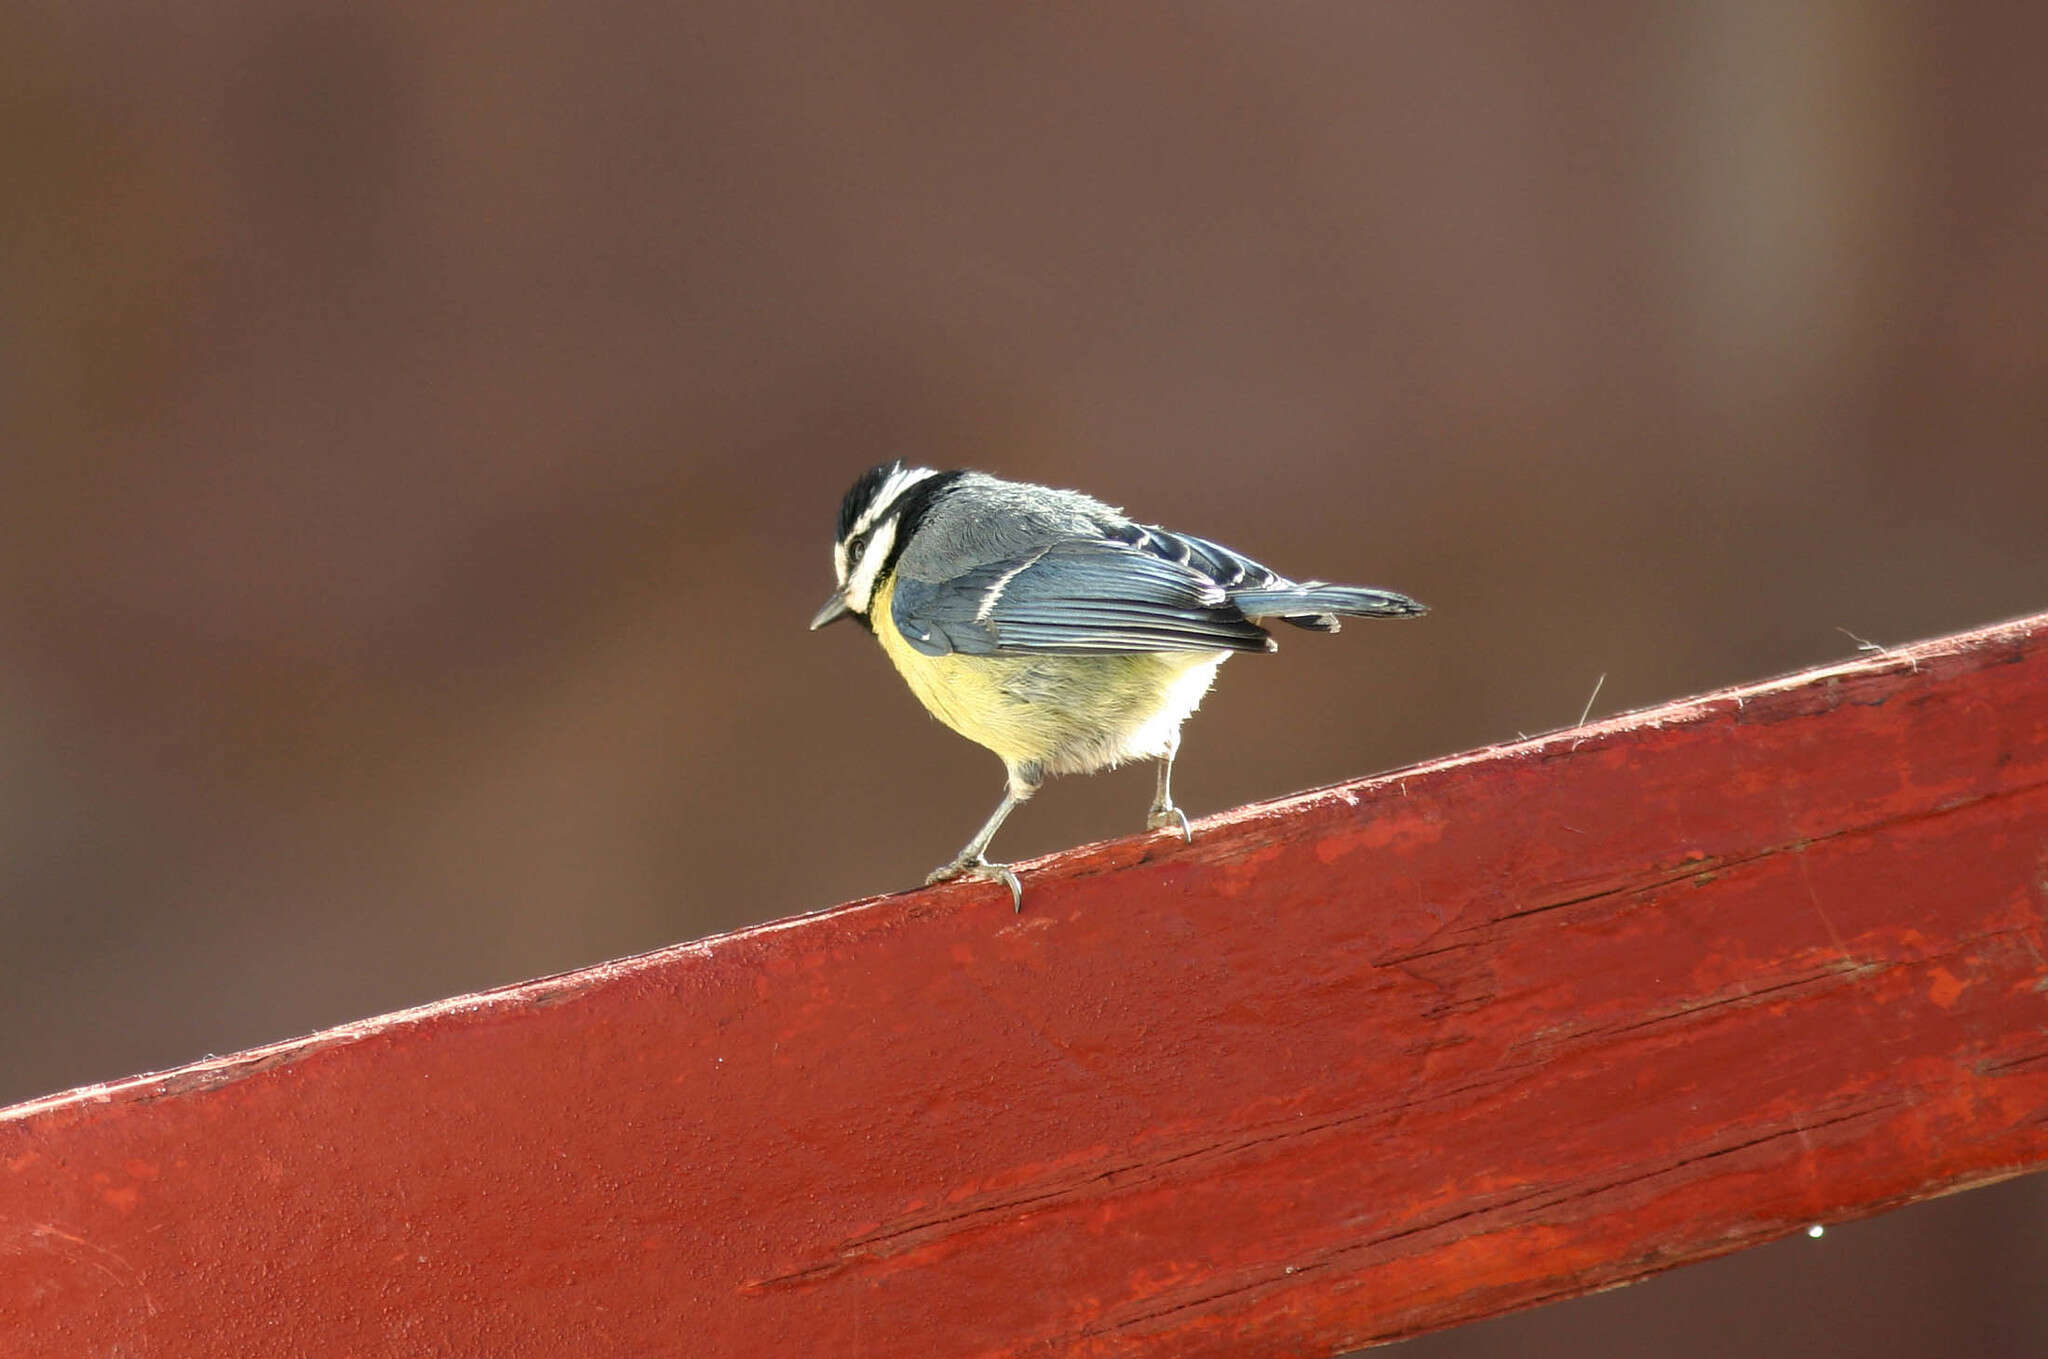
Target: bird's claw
{"type": "Point", "coordinates": [985, 871]}
{"type": "Point", "coordinates": [1162, 817]}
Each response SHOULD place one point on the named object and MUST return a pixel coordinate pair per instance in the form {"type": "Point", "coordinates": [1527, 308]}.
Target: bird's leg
{"type": "Point", "coordinates": [972, 860]}
{"type": "Point", "coordinates": [1164, 813]}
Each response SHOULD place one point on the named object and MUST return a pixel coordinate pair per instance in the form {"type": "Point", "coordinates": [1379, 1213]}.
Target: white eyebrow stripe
{"type": "Point", "coordinates": [890, 492]}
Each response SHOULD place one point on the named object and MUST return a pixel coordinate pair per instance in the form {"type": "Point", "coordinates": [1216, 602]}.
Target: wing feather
{"type": "Point", "coordinates": [1077, 597]}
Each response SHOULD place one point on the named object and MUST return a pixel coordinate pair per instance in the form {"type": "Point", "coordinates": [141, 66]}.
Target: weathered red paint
{"type": "Point", "coordinates": [1376, 1059]}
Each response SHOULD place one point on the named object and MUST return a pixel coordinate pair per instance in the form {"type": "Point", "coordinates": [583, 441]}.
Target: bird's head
{"type": "Point", "coordinates": [876, 519]}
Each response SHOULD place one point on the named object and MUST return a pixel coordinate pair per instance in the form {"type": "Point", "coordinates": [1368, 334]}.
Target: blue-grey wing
{"type": "Point", "coordinates": [1228, 568]}
{"type": "Point", "coordinates": [1076, 597]}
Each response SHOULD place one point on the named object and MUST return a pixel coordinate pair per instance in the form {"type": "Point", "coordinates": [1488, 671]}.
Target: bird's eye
{"type": "Point", "coordinates": [854, 547]}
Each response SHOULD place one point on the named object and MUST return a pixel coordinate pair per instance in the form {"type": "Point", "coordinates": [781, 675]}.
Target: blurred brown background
{"type": "Point", "coordinates": [422, 426]}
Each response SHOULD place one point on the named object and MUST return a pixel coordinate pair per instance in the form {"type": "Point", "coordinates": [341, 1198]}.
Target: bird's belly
{"type": "Point", "coordinates": [1063, 714]}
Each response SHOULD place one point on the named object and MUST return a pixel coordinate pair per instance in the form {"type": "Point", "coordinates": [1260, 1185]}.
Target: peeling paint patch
{"type": "Point", "coordinates": [1947, 986]}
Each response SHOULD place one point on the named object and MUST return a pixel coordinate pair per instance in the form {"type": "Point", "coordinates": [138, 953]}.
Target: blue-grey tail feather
{"type": "Point", "coordinates": [1317, 607]}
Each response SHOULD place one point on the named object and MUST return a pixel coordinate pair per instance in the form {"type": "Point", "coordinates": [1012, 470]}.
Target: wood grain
{"type": "Point", "coordinates": [1376, 1059]}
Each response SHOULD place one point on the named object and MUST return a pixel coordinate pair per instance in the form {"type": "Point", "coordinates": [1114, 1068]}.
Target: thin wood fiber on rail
{"type": "Point", "coordinates": [1384, 1057]}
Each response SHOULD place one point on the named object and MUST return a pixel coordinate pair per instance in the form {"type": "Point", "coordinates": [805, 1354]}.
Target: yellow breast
{"type": "Point", "coordinates": [1063, 714]}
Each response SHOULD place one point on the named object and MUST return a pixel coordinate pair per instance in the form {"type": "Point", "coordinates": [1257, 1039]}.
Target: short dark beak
{"type": "Point", "coordinates": [834, 610]}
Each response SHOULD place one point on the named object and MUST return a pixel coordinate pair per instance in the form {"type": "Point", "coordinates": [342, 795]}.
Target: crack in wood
{"type": "Point", "coordinates": [912, 1234]}
{"type": "Point", "coordinates": [909, 1236]}
{"type": "Point", "coordinates": [1485, 931]}
{"type": "Point", "coordinates": [1504, 1207]}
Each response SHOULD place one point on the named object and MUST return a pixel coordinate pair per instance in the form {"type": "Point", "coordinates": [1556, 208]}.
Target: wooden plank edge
{"type": "Point", "coordinates": [1988, 644]}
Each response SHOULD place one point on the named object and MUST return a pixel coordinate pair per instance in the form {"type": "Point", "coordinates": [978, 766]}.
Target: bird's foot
{"type": "Point", "coordinates": [1162, 817]}
{"type": "Point", "coordinates": [982, 869]}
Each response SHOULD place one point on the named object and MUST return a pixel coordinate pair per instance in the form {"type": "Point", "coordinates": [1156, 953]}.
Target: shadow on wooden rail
{"type": "Point", "coordinates": [1385, 1057]}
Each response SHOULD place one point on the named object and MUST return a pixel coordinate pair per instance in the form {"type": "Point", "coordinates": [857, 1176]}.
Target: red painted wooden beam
{"type": "Point", "coordinates": [1376, 1059]}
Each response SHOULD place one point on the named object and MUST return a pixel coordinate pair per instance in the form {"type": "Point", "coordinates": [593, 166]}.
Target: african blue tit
{"type": "Point", "coordinates": [1052, 629]}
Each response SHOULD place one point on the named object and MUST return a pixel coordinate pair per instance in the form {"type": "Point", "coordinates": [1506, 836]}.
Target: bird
{"type": "Point", "coordinates": [1053, 629]}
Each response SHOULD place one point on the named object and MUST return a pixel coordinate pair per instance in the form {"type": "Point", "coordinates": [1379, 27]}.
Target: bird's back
{"type": "Point", "coordinates": [979, 520]}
